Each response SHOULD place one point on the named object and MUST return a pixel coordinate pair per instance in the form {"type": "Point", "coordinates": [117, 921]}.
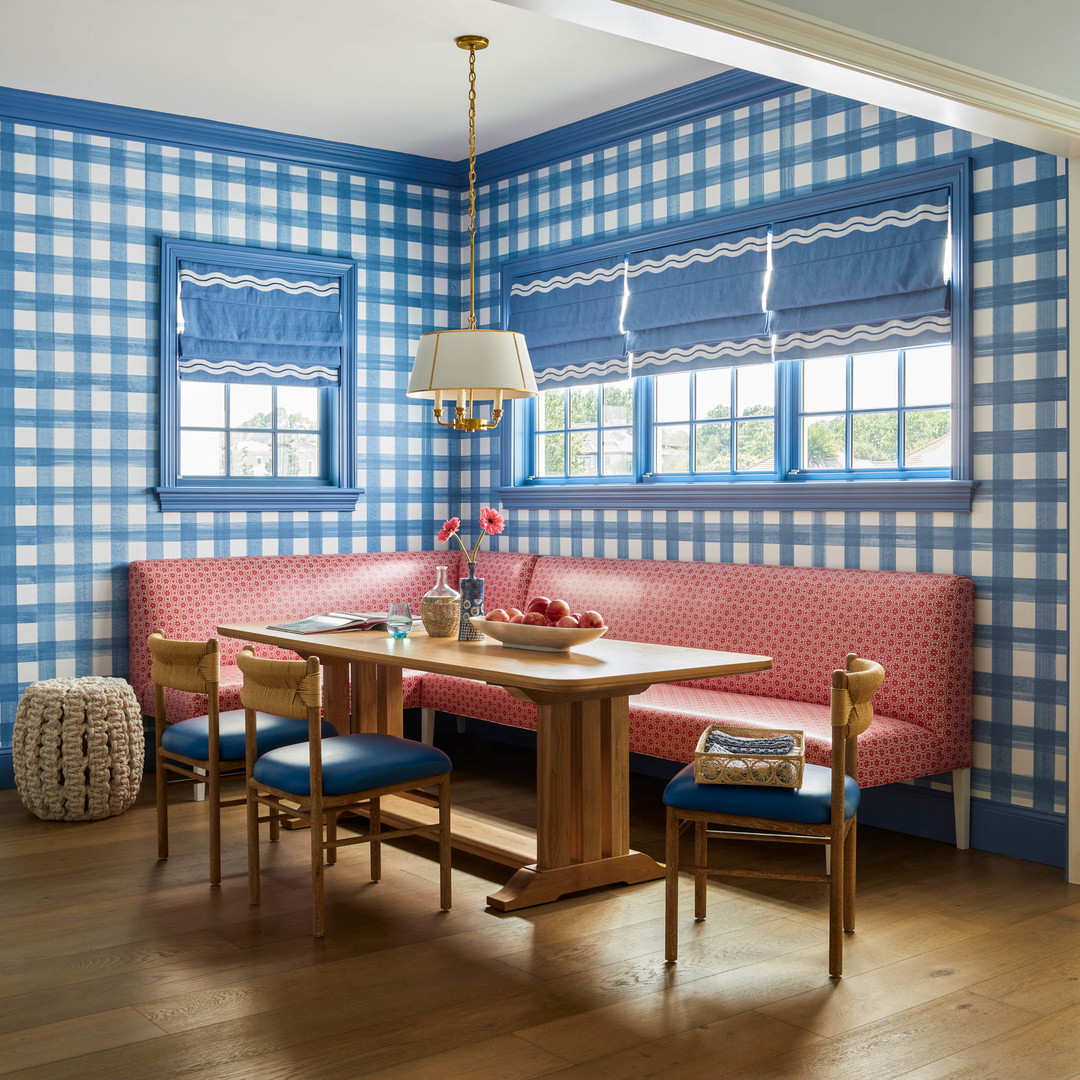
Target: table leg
{"type": "Point", "coordinates": [336, 696]}
{"type": "Point", "coordinates": [583, 806]}
{"type": "Point", "coordinates": [376, 698]}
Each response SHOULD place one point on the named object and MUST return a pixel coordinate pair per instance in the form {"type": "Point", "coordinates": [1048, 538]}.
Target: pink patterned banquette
{"type": "Point", "coordinates": [917, 625]}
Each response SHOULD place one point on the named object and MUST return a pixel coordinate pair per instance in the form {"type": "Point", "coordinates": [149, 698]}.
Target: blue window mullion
{"type": "Point", "coordinates": [644, 457]}
{"type": "Point", "coordinates": [849, 421]}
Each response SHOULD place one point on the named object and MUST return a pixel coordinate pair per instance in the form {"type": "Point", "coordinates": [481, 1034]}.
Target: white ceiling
{"type": "Point", "coordinates": [378, 73]}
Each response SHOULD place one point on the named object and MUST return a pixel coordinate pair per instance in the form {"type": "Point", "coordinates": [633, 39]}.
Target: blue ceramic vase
{"type": "Point", "coordinates": [472, 603]}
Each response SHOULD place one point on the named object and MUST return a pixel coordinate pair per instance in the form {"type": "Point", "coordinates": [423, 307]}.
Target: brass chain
{"type": "Point", "coordinates": [472, 188]}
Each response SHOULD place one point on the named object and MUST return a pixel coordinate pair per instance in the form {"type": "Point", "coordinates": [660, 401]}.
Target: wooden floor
{"type": "Point", "coordinates": [114, 965]}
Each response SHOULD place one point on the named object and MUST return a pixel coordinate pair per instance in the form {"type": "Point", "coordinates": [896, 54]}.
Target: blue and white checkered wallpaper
{"type": "Point", "coordinates": [1013, 543]}
{"type": "Point", "coordinates": [79, 373]}
{"type": "Point", "coordinates": [78, 381]}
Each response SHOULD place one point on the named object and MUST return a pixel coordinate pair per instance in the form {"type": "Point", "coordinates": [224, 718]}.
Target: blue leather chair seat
{"type": "Point", "coordinates": [810, 804]}
{"type": "Point", "coordinates": [352, 763]}
{"type": "Point", "coordinates": [191, 738]}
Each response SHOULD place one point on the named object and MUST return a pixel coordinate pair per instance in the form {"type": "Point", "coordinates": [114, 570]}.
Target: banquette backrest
{"type": "Point", "coordinates": [917, 626]}
{"type": "Point", "coordinates": [189, 598]}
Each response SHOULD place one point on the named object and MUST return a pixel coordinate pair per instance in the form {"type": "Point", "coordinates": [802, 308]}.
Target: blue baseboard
{"type": "Point", "coordinates": [1015, 831]}
{"type": "Point", "coordinates": [1003, 830]}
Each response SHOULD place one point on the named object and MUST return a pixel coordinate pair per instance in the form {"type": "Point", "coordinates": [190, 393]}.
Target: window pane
{"type": "Point", "coordinates": [873, 381]}
{"type": "Point", "coordinates": [928, 439]}
{"type": "Point", "coordinates": [755, 390]}
{"type": "Point", "coordinates": [618, 449]}
{"type": "Point", "coordinates": [202, 453]}
{"type": "Point", "coordinates": [549, 455]}
{"type": "Point", "coordinates": [298, 455]}
{"type": "Point", "coordinates": [673, 449]}
{"type": "Point", "coordinates": [754, 442]}
{"type": "Point", "coordinates": [873, 440]}
{"type": "Point", "coordinates": [584, 406]}
{"type": "Point", "coordinates": [713, 394]}
{"type": "Point", "coordinates": [928, 376]}
{"type": "Point", "coordinates": [824, 384]}
{"type": "Point", "coordinates": [618, 404]}
{"type": "Point", "coordinates": [712, 451]}
{"type": "Point", "coordinates": [250, 406]}
{"type": "Point", "coordinates": [251, 453]}
{"type": "Point", "coordinates": [583, 454]}
{"type": "Point", "coordinates": [823, 442]}
{"type": "Point", "coordinates": [672, 397]}
{"type": "Point", "coordinates": [551, 410]}
{"type": "Point", "coordinates": [298, 407]}
{"type": "Point", "coordinates": [202, 404]}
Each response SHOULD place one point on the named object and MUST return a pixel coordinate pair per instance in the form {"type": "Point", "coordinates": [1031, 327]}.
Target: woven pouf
{"type": "Point", "coordinates": [78, 748]}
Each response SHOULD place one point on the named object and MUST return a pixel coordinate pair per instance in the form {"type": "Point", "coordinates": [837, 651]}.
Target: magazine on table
{"type": "Point", "coordinates": [334, 621]}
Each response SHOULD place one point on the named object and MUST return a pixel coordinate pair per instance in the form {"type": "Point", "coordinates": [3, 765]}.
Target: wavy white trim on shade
{"type": "Point", "coordinates": [721, 350]}
{"type": "Point", "coordinates": [246, 370]}
{"type": "Point", "coordinates": [619, 365]}
{"type": "Point", "coordinates": [835, 229]}
{"type": "Point", "coordinates": [680, 260]}
{"type": "Point", "coordinates": [579, 277]}
{"type": "Point", "coordinates": [247, 281]}
{"type": "Point", "coordinates": [734, 351]}
{"type": "Point", "coordinates": [876, 332]}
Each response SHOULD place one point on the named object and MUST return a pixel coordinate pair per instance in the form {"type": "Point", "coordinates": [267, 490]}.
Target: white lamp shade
{"type": "Point", "coordinates": [482, 362]}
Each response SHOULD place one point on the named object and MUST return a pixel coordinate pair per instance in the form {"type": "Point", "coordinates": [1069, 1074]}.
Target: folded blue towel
{"type": "Point", "coordinates": [724, 743]}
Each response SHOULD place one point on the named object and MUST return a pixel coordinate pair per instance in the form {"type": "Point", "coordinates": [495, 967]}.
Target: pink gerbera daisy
{"type": "Point", "coordinates": [491, 521]}
{"type": "Point", "coordinates": [449, 529]}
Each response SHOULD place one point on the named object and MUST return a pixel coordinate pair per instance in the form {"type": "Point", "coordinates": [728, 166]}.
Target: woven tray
{"type": "Point", "coordinates": [749, 767]}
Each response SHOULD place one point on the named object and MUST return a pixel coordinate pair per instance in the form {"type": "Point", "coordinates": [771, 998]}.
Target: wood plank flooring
{"type": "Point", "coordinates": [965, 966]}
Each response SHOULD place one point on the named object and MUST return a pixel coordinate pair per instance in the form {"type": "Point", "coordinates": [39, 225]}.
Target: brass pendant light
{"type": "Point", "coordinates": [471, 365]}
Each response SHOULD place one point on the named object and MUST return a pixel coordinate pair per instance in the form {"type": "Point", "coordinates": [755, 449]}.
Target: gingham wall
{"type": "Point", "coordinates": [79, 373]}
{"type": "Point", "coordinates": [1013, 543]}
{"type": "Point", "coordinates": [78, 419]}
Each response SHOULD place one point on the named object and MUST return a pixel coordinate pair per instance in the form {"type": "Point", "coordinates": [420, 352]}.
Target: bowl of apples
{"type": "Point", "coordinates": [545, 625]}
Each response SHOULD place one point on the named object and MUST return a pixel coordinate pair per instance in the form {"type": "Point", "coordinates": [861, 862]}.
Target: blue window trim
{"type": "Point", "coordinates": [340, 493]}
{"type": "Point", "coordinates": [802, 492]}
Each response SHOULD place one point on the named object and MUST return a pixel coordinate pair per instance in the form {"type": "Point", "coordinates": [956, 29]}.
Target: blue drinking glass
{"type": "Point", "coordinates": [399, 620]}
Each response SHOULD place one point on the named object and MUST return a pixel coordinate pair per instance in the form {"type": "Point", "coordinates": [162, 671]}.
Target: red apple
{"type": "Point", "coordinates": [556, 610]}
{"type": "Point", "coordinates": [592, 618]}
{"type": "Point", "coordinates": [497, 615]}
{"type": "Point", "coordinates": [511, 612]}
{"type": "Point", "coordinates": [518, 618]}
{"type": "Point", "coordinates": [569, 621]}
{"type": "Point", "coordinates": [576, 615]}
{"type": "Point", "coordinates": [537, 603]}
{"type": "Point", "coordinates": [534, 618]}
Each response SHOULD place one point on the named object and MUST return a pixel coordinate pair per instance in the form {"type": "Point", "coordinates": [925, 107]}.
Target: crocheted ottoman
{"type": "Point", "coordinates": [78, 748]}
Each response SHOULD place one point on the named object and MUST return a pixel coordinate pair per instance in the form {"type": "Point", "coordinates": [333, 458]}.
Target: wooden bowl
{"type": "Point", "coordinates": [540, 638]}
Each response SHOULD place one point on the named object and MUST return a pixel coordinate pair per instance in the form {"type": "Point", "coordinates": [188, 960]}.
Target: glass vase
{"type": "Point", "coordinates": [472, 603]}
{"type": "Point", "coordinates": [440, 609]}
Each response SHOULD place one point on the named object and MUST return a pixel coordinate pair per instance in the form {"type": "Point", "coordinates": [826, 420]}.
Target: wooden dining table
{"type": "Point", "coordinates": [582, 836]}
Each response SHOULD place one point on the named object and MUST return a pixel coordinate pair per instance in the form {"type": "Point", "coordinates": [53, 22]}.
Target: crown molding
{"type": "Point", "coordinates": [668, 109]}
{"type": "Point", "coordinates": [682, 105]}
{"type": "Point", "coordinates": [99, 118]}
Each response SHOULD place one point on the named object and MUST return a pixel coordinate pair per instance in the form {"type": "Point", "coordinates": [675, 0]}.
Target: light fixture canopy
{"type": "Point", "coordinates": [471, 365]}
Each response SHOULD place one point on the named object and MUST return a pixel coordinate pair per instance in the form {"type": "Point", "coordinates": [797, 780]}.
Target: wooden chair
{"type": "Point", "coordinates": [319, 779]}
{"type": "Point", "coordinates": [822, 811]}
{"type": "Point", "coordinates": [213, 744]}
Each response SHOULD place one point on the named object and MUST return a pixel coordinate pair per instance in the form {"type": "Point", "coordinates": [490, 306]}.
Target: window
{"type": "Point", "coordinates": [817, 358]}
{"type": "Point", "coordinates": [258, 376]}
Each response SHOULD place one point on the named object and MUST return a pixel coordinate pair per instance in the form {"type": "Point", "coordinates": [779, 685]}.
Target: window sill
{"type": "Point", "coordinates": [218, 499]}
{"type": "Point", "coordinates": [943, 495]}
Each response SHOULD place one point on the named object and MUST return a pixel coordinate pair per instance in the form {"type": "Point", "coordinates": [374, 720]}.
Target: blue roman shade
{"type": "Point", "coordinates": [698, 304]}
{"type": "Point", "coordinates": [857, 280]}
{"type": "Point", "coordinates": [571, 318]}
{"type": "Point", "coordinates": [240, 324]}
